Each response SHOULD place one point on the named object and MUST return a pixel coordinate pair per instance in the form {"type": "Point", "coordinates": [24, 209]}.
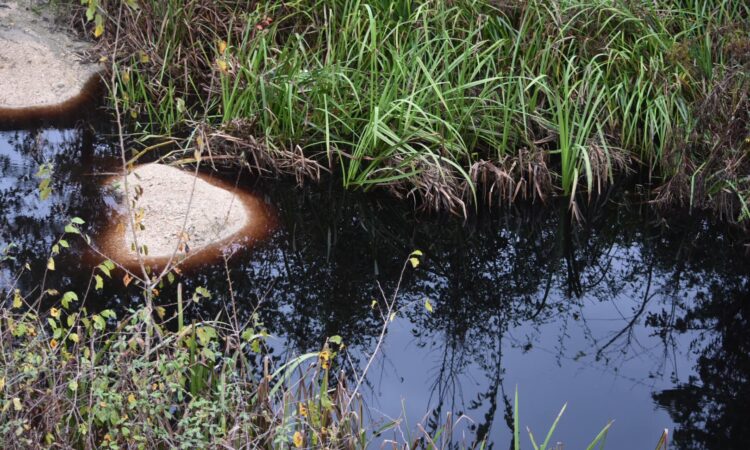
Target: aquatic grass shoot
{"type": "Point", "coordinates": [597, 443]}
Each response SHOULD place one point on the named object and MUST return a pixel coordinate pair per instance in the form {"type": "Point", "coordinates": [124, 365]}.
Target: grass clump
{"type": "Point", "coordinates": [445, 101]}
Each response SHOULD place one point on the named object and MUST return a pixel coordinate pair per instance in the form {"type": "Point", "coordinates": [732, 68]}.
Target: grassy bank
{"type": "Point", "coordinates": [454, 103]}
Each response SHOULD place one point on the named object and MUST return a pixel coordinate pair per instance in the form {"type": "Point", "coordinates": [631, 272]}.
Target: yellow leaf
{"type": "Point", "coordinates": [414, 262]}
{"type": "Point", "coordinates": [2, 384]}
{"type": "Point", "coordinates": [99, 30]}
{"type": "Point", "coordinates": [144, 58]}
{"type": "Point", "coordinates": [223, 66]}
{"type": "Point", "coordinates": [127, 279]}
{"type": "Point", "coordinates": [17, 404]}
{"type": "Point", "coordinates": [17, 299]}
{"type": "Point", "coordinates": [53, 343]}
{"type": "Point", "coordinates": [51, 264]}
{"type": "Point", "coordinates": [302, 410]}
{"type": "Point", "coordinates": [222, 47]}
{"type": "Point", "coordinates": [325, 357]}
{"type": "Point", "coordinates": [131, 399]}
{"type": "Point", "coordinates": [298, 440]}
{"type": "Point", "coordinates": [54, 312]}
{"type": "Point", "coordinates": [73, 337]}
{"type": "Point", "coordinates": [428, 305]}
{"type": "Point", "coordinates": [161, 311]}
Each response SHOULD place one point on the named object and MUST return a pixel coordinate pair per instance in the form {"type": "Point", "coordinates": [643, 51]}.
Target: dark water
{"type": "Point", "coordinates": [629, 317]}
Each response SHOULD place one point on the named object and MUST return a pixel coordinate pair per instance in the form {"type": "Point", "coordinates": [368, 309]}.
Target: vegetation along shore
{"type": "Point", "coordinates": [453, 104]}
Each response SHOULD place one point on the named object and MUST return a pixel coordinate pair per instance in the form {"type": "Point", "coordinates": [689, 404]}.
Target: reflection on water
{"type": "Point", "coordinates": [629, 317]}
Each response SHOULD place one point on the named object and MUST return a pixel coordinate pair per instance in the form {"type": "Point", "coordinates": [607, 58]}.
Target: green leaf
{"type": "Point", "coordinates": [104, 269]}
{"type": "Point", "coordinates": [51, 264]}
{"type": "Point", "coordinates": [67, 298]}
{"type": "Point", "coordinates": [99, 282]}
{"type": "Point", "coordinates": [335, 339]}
{"type": "Point", "coordinates": [201, 292]}
{"type": "Point", "coordinates": [99, 322]}
{"type": "Point", "coordinates": [64, 243]}
{"type": "Point", "coordinates": [205, 334]}
{"type": "Point", "coordinates": [71, 229]}
{"type": "Point", "coordinates": [428, 305]}
{"type": "Point", "coordinates": [77, 221]}
{"type": "Point", "coordinates": [248, 334]}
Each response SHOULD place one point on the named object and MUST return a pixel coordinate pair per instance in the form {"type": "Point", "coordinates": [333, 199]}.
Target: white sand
{"type": "Point", "coordinates": [215, 213]}
{"type": "Point", "coordinates": [38, 66]}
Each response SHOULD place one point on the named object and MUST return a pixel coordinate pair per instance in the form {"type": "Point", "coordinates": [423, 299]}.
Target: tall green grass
{"type": "Point", "coordinates": [417, 96]}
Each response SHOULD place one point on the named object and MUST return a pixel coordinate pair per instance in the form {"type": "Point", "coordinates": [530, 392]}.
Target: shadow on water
{"type": "Point", "coordinates": [629, 317]}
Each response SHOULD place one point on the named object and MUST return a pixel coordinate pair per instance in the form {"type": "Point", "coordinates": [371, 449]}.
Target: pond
{"type": "Point", "coordinates": [628, 317]}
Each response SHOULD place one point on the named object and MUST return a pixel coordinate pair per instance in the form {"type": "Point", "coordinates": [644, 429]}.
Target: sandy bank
{"type": "Point", "coordinates": [175, 212]}
{"type": "Point", "coordinates": [41, 68]}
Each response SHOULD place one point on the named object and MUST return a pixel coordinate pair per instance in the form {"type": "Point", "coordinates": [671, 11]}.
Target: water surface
{"type": "Point", "coordinates": [629, 317]}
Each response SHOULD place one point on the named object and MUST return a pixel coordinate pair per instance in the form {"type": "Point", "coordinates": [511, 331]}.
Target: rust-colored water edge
{"type": "Point", "coordinates": [63, 114]}
{"type": "Point", "coordinates": [187, 219]}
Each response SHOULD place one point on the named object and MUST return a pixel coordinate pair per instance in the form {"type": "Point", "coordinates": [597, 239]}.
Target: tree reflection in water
{"type": "Point", "coordinates": [659, 304]}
